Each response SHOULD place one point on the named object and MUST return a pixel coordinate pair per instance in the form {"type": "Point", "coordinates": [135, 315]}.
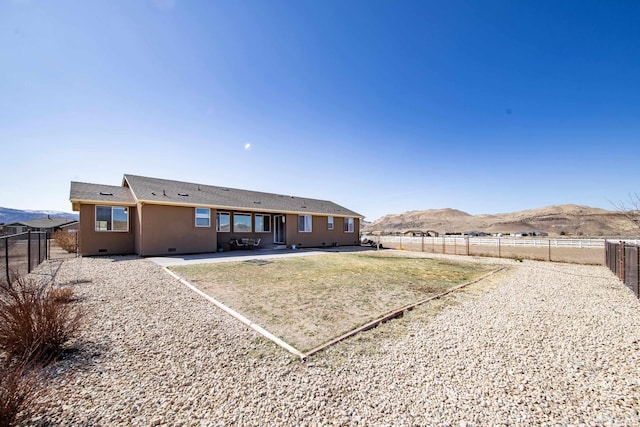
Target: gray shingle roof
{"type": "Point", "coordinates": [82, 191]}
{"type": "Point", "coordinates": [164, 191]}
{"type": "Point", "coordinates": [48, 222]}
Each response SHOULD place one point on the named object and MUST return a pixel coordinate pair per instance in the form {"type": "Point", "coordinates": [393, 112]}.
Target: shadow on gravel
{"type": "Point", "coordinates": [82, 356]}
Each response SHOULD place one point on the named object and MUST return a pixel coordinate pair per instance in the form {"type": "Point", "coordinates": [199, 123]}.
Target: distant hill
{"type": "Point", "coordinates": [8, 215]}
{"type": "Point", "coordinates": [570, 220]}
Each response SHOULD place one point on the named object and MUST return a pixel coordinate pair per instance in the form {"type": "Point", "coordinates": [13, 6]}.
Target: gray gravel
{"type": "Point", "coordinates": [542, 344]}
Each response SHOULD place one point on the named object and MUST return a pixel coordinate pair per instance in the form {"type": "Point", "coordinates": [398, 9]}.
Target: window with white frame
{"type": "Point", "coordinates": [203, 217]}
{"type": "Point", "coordinates": [223, 222]}
{"type": "Point", "coordinates": [330, 223]}
{"type": "Point", "coordinates": [304, 223]}
{"type": "Point", "coordinates": [263, 223]}
{"type": "Point", "coordinates": [242, 223]}
{"type": "Point", "coordinates": [348, 225]}
{"type": "Point", "coordinates": [112, 218]}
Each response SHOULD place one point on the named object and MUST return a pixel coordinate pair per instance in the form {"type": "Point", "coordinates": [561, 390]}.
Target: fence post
{"type": "Point", "coordinates": [621, 261]}
{"type": "Point", "coordinates": [549, 254]}
{"type": "Point", "coordinates": [28, 251]}
{"type": "Point", "coordinates": [499, 255]}
{"type": "Point", "coordinates": [6, 259]}
{"type": "Point", "coordinates": [468, 238]}
{"type": "Point", "coordinates": [422, 242]}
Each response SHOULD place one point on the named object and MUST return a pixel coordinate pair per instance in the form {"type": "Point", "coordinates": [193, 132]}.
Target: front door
{"type": "Point", "coordinates": [278, 229]}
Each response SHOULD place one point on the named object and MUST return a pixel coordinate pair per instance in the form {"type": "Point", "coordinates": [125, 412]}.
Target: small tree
{"type": "Point", "coordinates": [66, 240]}
{"type": "Point", "coordinates": [630, 209]}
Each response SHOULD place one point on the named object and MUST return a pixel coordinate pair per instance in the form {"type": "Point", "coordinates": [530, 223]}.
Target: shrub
{"type": "Point", "coordinates": [66, 240]}
{"type": "Point", "coordinates": [36, 320]}
{"type": "Point", "coordinates": [62, 295]}
{"type": "Point", "coordinates": [19, 387]}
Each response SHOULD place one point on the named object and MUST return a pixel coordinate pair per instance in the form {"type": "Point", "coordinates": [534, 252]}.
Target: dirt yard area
{"type": "Point", "coordinates": [307, 301]}
{"type": "Point", "coordinates": [593, 256]}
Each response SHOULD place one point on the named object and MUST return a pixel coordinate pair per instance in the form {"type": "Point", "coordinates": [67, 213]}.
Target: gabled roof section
{"type": "Point", "coordinates": [85, 192]}
{"type": "Point", "coordinates": [48, 222]}
{"type": "Point", "coordinates": [163, 191]}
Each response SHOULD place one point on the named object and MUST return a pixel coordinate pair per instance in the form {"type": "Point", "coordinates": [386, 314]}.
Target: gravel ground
{"type": "Point", "coordinates": [539, 344]}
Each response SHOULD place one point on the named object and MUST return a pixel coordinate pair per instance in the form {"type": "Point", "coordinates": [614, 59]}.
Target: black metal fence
{"type": "Point", "coordinates": [21, 253]}
{"type": "Point", "coordinates": [623, 260]}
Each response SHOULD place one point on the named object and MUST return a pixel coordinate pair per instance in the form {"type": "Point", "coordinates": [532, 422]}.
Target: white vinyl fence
{"type": "Point", "coordinates": [588, 251]}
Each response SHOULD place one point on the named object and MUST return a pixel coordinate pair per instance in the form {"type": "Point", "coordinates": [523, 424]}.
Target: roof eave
{"type": "Point", "coordinates": [247, 209]}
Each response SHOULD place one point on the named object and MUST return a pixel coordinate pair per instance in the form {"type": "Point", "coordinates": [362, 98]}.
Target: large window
{"type": "Point", "coordinates": [348, 225]}
{"type": "Point", "coordinates": [330, 223]}
{"type": "Point", "coordinates": [203, 217]}
{"type": "Point", "coordinates": [263, 223]}
{"type": "Point", "coordinates": [241, 223]}
{"type": "Point", "coordinates": [223, 222]}
{"type": "Point", "coordinates": [304, 223]}
{"type": "Point", "coordinates": [112, 218]}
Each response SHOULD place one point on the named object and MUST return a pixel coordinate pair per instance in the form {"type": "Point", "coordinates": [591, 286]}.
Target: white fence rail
{"type": "Point", "coordinates": [495, 241]}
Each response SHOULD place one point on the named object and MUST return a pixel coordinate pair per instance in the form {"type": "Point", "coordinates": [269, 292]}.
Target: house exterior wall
{"type": "Point", "coordinates": [171, 230]}
{"type": "Point", "coordinates": [320, 234]}
{"type": "Point", "coordinates": [266, 238]}
{"type": "Point", "coordinates": [92, 242]}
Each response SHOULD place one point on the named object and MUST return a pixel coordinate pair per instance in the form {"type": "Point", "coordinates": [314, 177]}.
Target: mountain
{"type": "Point", "coordinates": [8, 215]}
{"type": "Point", "coordinates": [570, 220]}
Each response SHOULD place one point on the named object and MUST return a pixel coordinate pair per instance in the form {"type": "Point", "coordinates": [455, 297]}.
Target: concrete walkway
{"type": "Point", "coordinates": [232, 256]}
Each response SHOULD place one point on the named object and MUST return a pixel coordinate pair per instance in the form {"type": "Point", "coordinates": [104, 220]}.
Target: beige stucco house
{"type": "Point", "coordinates": [151, 216]}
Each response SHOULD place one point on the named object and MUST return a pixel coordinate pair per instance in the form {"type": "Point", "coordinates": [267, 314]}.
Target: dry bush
{"type": "Point", "coordinates": [19, 387]}
{"type": "Point", "coordinates": [62, 295]}
{"type": "Point", "coordinates": [35, 321]}
{"type": "Point", "coordinates": [66, 240]}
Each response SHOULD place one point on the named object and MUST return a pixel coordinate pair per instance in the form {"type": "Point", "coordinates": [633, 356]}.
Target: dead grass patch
{"type": "Point", "coordinates": [309, 300]}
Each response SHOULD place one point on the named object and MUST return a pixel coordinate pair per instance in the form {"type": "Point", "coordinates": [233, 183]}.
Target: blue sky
{"type": "Point", "coordinates": [381, 106]}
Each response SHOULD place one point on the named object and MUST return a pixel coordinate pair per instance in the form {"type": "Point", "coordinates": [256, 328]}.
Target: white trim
{"type": "Point", "coordinates": [310, 230]}
{"type": "Point", "coordinates": [95, 223]}
{"type": "Point", "coordinates": [352, 224]}
{"type": "Point", "coordinates": [228, 214]}
{"type": "Point", "coordinates": [264, 222]}
{"type": "Point", "coordinates": [233, 226]}
{"type": "Point", "coordinates": [208, 217]}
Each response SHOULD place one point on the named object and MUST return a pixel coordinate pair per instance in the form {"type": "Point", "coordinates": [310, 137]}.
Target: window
{"type": "Point", "coordinates": [203, 217]}
{"type": "Point", "coordinates": [241, 223]}
{"type": "Point", "coordinates": [112, 218]}
{"type": "Point", "coordinates": [330, 223]}
{"type": "Point", "coordinates": [263, 223]}
{"type": "Point", "coordinates": [348, 225]}
{"type": "Point", "coordinates": [223, 222]}
{"type": "Point", "coordinates": [304, 223]}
